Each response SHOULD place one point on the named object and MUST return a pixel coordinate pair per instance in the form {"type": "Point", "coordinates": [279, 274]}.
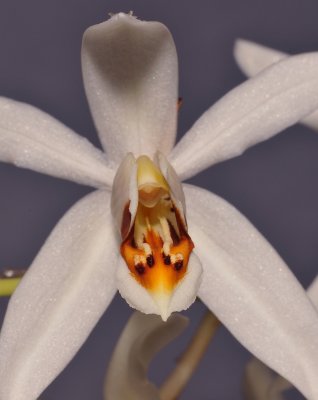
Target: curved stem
{"type": "Point", "coordinates": [190, 359]}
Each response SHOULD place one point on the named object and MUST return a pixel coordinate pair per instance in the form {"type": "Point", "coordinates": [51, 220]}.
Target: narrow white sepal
{"type": "Point", "coordinates": [256, 110]}
{"type": "Point", "coordinates": [60, 299]}
{"type": "Point", "coordinates": [252, 58]}
{"type": "Point", "coordinates": [141, 339]}
{"type": "Point", "coordinates": [130, 71]}
{"type": "Point", "coordinates": [30, 138]}
{"type": "Point", "coordinates": [252, 291]}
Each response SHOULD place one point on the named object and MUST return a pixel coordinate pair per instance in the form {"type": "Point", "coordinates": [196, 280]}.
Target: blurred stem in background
{"type": "Point", "coordinates": [190, 359]}
{"type": "Point", "coordinates": [141, 339]}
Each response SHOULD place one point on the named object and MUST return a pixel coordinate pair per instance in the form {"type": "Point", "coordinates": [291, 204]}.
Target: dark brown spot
{"type": "Point", "coordinates": [172, 209]}
{"type": "Point", "coordinates": [166, 259]}
{"type": "Point", "coordinates": [150, 260]}
{"type": "Point", "coordinates": [178, 265]}
{"type": "Point", "coordinates": [140, 269]}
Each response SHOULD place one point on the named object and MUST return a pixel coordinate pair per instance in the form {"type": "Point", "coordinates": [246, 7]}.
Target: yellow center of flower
{"type": "Point", "coordinates": [157, 247]}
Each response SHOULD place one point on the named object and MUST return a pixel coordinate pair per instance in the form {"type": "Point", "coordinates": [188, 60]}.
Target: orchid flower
{"type": "Point", "coordinates": [252, 58]}
{"type": "Point", "coordinates": [142, 232]}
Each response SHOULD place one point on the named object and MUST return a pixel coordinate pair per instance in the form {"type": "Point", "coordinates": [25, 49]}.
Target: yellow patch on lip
{"type": "Point", "coordinates": [157, 247]}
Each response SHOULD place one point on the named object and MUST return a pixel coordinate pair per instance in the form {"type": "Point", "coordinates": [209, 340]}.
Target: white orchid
{"type": "Point", "coordinates": [130, 75]}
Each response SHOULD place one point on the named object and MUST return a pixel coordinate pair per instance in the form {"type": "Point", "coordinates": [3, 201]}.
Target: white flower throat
{"type": "Point", "coordinates": [156, 245]}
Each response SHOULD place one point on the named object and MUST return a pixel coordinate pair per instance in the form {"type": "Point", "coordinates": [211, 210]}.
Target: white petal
{"type": "Point", "coordinates": [131, 75]}
{"type": "Point", "coordinates": [142, 338]}
{"type": "Point", "coordinates": [251, 290]}
{"type": "Point", "coordinates": [252, 112]}
{"type": "Point", "coordinates": [125, 194]}
{"type": "Point", "coordinates": [30, 138]}
{"type": "Point", "coordinates": [60, 299]}
{"type": "Point", "coordinates": [253, 58]}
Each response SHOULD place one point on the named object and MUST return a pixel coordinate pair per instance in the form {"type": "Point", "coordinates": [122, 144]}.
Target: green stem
{"type": "Point", "coordinates": [9, 280]}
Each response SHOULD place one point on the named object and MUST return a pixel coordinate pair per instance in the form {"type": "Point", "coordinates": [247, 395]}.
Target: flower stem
{"type": "Point", "coordinates": [9, 280]}
{"type": "Point", "coordinates": [190, 359]}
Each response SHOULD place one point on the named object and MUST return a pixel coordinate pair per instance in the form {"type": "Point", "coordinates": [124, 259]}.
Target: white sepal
{"type": "Point", "coordinates": [252, 58]}
{"type": "Point", "coordinates": [141, 339]}
{"type": "Point", "coordinates": [256, 110]}
{"type": "Point", "coordinates": [30, 138]}
{"type": "Point", "coordinates": [130, 71]}
{"type": "Point", "coordinates": [60, 299]}
{"type": "Point", "coordinates": [125, 193]}
{"type": "Point", "coordinates": [252, 291]}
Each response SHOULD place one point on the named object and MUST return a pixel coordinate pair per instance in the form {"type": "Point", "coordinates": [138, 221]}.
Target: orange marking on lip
{"type": "Point", "coordinates": [157, 275]}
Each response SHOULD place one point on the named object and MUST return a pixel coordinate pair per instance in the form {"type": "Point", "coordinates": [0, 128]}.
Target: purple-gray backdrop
{"type": "Point", "coordinates": [274, 184]}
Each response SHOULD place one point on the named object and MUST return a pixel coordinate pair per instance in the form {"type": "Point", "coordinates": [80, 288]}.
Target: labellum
{"type": "Point", "coordinates": [149, 205]}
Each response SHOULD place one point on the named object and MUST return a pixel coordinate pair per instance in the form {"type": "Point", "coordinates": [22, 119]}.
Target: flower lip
{"type": "Point", "coordinates": [157, 260]}
{"type": "Point", "coordinates": [157, 247]}
{"type": "Point", "coordinates": [156, 264]}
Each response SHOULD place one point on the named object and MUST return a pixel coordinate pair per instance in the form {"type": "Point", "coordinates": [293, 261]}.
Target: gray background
{"type": "Point", "coordinates": [274, 184]}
